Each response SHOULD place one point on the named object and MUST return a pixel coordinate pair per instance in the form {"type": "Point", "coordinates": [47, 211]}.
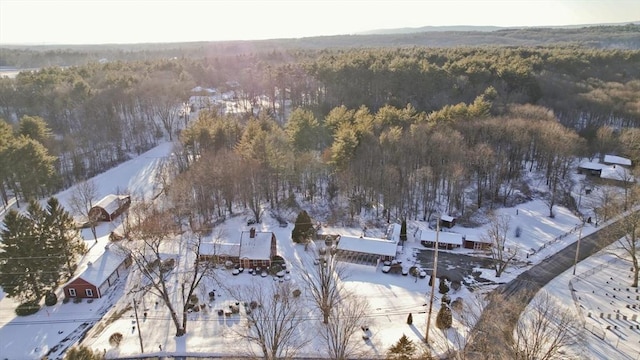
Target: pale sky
{"type": "Point", "coordinates": [136, 21]}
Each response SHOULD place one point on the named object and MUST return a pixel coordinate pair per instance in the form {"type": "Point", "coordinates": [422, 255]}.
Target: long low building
{"type": "Point", "coordinates": [446, 240]}
{"type": "Point", "coordinates": [365, 249]}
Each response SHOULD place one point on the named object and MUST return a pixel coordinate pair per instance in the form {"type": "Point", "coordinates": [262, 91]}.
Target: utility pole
{"type": "Point", "coordinates": [135, 310]}
{"type": "Point", "coordinates": [575, 261]}
{"type": "Point", "coordinates": [433, 279]}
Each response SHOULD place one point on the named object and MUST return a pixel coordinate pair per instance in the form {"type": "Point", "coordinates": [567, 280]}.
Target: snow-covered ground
{"type": "Point", "coordinates": [390, 297]}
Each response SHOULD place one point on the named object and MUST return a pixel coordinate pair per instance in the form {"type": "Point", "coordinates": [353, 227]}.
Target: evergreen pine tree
{"type": "Point", "coordinates": [33, 167]}
{"type": "Point", "coordinates": [303, 229]}
{"type": "Point", "coordinates": [404, 349]}
{"type": "Point", "coordinates": [403, 231]}
{"type": "Point", "coordinates": [19, 268]}
{"type": "Point", "coordinates": [65, 240]}
{"type": "Point", "coordinates": [83, 353]}
{"type": "Point", "coordinates": [444, 319]}
{"type": "Point", "coordinates": [410, 319]}
{"type": "Point", "coordinates": [47, 265]}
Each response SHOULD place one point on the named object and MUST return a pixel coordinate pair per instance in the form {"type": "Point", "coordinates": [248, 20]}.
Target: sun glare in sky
{"type": "Point", "coordinates": [137, 21]}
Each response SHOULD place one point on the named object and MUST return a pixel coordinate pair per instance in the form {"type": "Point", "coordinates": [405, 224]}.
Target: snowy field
{"type": "Point", "coordinates": [390, 297]}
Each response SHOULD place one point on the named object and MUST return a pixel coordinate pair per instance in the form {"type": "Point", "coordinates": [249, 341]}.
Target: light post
{"type": "Point", "coordinates": [575, 261]}
{"type": "Point", "coordinates": [433, 280]}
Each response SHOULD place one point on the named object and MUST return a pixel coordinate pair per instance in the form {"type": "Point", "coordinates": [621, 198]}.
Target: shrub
{"type": "Point", "coordinates": [446, 299]}
{"type": "Point", "coordinates": [65, 300]}
{"type": "Point", "coordinates": [84, 353]}
{"type": "Point", "coordinates": [115, 339]}
{"type": "Point", "coordinates": [27, 308]}
{"type": "Point", "coordinates": [456, 285]}
{"type": "Point", "coordinates": [410, 319]}
{"type": "Point", "coordinates": [193, 299]}
{"type": "Point", "coordinates": [77, 300]}
{"type": "Point", "coordinates": [50, 299]}
{"type": "Point", "coordinates": [297, 293]}
{"type": "Point", "coordinates": [403, 349]}
{"type": "Point", "coordinates": [518, 231]}
{"type": "Point", "coordinates": [443, 288]}
{"type": "Point", "coordinates": [457, 305]}
{"type": "Point", "coordinates": [444, 320]}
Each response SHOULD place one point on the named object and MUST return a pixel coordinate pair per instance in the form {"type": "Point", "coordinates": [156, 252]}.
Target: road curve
{"type": "Point", "coordinates": [488, 340]}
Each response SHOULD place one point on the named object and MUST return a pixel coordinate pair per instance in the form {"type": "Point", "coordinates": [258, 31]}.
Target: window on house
{"type": "Point", "coordinates": [72, 292]}
{"type": "Point", "coordinates": [89, 292]}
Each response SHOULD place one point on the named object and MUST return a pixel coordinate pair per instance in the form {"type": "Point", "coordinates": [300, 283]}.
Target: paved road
{"type": "Point", "coordinates": [485, 340]}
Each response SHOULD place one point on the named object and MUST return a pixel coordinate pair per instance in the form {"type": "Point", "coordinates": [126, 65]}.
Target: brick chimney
{"type": "Point", "coordinates": [252, 232]}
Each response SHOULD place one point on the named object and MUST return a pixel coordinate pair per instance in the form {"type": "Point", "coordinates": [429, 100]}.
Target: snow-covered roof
{"type": "Point", "coordinates": [227, 248]}
{"type": "Point", "coordinates": [111, 202]}
{"type": "Point", "coordinates": [257, 247]}
{"type": "Point", "coordinates": [612, 159]}
{"type": "Point", "coordinates": [99, 265]}
{"type": "Point", "coordinates": [393, 232]}
{"type": "Point", "coordinates": [591, 165]}
{"type": "Point", "coordinates": [617, 173]}
{"type": "Point", "coordinates": [367, 245]}
{"type": "Point", "coordinates": [477, 239]}
{"type": "Point", "coordinates": [443, 237]}
{"type": "Point", "coordinates": [447, 218]}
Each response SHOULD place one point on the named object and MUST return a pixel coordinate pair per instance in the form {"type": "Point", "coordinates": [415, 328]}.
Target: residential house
{"type": "Point", "coordinates": [252, 249]}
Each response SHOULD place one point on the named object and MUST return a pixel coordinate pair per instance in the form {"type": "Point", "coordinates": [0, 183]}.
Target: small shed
{"type": "Point", "coordinates": [110, 207]}
{"type": "Point", "coordinates": [447, 221]}
{"type": "Point", "coordinates": [97, 276]}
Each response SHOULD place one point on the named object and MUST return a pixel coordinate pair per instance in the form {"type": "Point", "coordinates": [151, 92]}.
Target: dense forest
{"type": "Point", "coordinates": [400, 129]}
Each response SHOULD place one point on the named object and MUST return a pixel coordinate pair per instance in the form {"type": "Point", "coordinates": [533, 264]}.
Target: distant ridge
{"type": "Point", "coordinates": [465, 28]}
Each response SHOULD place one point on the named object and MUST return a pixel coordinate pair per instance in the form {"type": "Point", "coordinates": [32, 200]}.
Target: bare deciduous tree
{"type": "Point", "coordinates": [81, 201]}
{"type": "Point", "coordinates": [497, 236]}
{"type": "Point", "coordinates": [323, 281]}
{"type": "Point", "coordinates": [151, 232]}
{"type": "Point", "coordinates": [275, 322]}
{"type": "Point", "coordinates": [345, 320]}
{"type": "Point", "coordinates": [545, 330]}
{"type": "Point", "coordinates": [629, 243]}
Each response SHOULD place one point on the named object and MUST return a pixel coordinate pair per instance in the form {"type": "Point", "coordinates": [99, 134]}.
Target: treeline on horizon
{"type": "Point", "coordinates": [396, 129]}
{"type": "Point", "coordinates": [599, 37]}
